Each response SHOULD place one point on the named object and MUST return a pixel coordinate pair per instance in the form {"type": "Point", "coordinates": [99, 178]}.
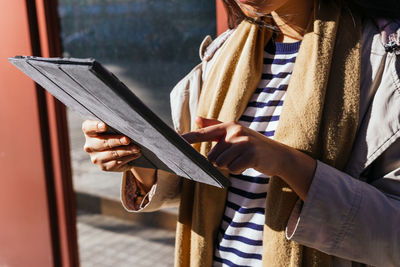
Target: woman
{"type": "Point", "coordinates": [302, 100]}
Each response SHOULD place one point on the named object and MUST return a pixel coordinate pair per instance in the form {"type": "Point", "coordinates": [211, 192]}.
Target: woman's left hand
{"type": "Point", "coordinates": [239, 148]}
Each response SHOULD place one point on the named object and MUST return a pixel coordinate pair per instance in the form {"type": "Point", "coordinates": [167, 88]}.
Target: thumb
{"type": "Point", "coordinates": [203, 122]}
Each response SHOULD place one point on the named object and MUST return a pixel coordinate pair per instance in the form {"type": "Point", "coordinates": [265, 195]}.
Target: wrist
{"type": "Point", "coordinates": [281, 161]}
{"type": "Point", "coordinates": [145, 178]}
{"type": "Point", "coordinates": [297, 170]}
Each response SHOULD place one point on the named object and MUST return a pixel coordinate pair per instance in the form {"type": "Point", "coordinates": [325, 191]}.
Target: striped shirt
{"type": "Point", "coordinates": [240, 237]}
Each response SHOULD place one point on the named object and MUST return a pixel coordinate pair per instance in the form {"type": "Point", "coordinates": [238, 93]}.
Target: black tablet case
{"type": "Point", "coordinates": [85, 86]}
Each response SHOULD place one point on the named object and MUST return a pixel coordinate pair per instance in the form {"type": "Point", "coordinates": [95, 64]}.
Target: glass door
{"type": "Point", "coordinates": [149, 45]}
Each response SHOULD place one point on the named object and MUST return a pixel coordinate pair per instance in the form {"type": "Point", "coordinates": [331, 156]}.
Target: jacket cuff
{"type": "Point", "coordinates": [323, 220]}
{"type": "Point", "coordinates": [164, 193]}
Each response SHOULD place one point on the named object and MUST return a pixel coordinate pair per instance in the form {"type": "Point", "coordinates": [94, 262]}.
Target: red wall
{"type": "Point", "coordinates": [25, 231]}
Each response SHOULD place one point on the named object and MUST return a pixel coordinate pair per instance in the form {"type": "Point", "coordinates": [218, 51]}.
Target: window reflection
{"type": "Point", "coordinates": [149, 44]}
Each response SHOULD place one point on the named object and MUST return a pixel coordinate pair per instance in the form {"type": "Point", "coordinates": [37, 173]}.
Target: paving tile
{"type": "Point", "coordinates": [106, 241]}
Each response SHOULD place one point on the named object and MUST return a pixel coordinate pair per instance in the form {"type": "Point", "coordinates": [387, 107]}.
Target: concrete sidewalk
{"type": "Point", "coordinates": [108, 242]}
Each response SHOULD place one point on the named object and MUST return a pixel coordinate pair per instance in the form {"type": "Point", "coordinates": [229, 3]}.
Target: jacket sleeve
{"type": "Point", "coordinates": [348, 218]}
{"type": "Point", "coordinates": [164, 194]}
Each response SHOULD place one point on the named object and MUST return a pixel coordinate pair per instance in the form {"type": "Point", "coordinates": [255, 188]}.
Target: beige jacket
{"type": "Point", "coordinates": [351, 219]}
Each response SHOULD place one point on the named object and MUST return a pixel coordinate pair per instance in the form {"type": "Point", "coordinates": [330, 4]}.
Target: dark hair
{"type": "Point", "coordinates": [235, 14]}
{"type": "Point", "coordinates": [368, 8]}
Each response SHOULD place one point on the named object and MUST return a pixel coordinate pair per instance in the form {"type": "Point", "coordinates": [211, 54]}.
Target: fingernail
{"type": "Point", "coordinates": [135, 149]}
{"type": "Point", "coordinates": [101, 126]}
{"type": "Point", "coordinates": [199, 121]}
{"type": "Point", "coordinates": [124, 140]}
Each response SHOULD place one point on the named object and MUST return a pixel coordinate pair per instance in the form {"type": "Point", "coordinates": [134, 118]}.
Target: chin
{"type": "Point", "coordinates": [250, 14]}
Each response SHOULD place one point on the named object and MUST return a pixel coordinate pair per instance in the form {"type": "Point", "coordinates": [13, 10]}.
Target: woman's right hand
{"type": "Point", "coordinates": [111, 152]}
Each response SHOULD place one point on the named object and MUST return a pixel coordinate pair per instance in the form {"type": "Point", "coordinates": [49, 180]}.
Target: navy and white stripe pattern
{"type": "Point", "coordinates": [240, 238]}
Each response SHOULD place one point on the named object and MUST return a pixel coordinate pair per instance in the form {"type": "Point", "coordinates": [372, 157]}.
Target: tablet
{"type": "Point", "coordinates": [85, 86]}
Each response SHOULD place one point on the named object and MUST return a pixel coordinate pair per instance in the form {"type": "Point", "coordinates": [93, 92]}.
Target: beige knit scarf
{"type": "Point", "coordinates": [319, 117]}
